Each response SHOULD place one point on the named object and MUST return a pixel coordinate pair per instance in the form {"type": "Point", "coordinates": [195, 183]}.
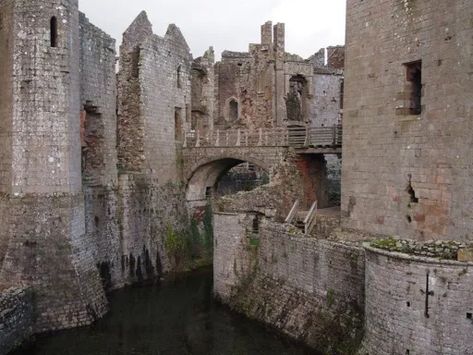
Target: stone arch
{"type": "Point", "coordinates": [206, 175]}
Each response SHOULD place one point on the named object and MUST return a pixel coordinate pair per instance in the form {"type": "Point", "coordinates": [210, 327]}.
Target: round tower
{"type": "Point", "coordinates": [47, 247]}
{"type": "Point", "coordinates": [46, 146]}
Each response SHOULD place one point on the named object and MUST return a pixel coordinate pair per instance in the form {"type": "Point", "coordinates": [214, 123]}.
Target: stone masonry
{"type": "Point", "coordinates": [417, 305]}
{"type": "Point", "coordinates": [16, 317]}
{"type": "Point", "coordinates": [96, 169]}
{"type": "Point", "coordinates": [312, 290]}
{"type": "Point", "coordinates": [407, 152]}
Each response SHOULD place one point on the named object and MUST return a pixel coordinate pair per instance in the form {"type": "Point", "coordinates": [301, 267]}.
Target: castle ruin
{"type": "Point", "coordinates": [98, 167]}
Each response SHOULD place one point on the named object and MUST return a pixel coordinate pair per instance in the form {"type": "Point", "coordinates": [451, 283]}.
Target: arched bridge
{"type": "Point", "coordinates": [208, 156]}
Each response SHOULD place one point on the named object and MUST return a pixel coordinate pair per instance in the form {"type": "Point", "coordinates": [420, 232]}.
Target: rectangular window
{"type": "Point", "coordinates": [414, 88]}
{"type": "Point", "coordinates": [53, 31]}
{"type": "Point", "coordinates": [178, 124]}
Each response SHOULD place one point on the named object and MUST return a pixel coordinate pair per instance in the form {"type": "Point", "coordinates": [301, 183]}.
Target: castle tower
{"type": "Point", "coordinates": [42, 240]}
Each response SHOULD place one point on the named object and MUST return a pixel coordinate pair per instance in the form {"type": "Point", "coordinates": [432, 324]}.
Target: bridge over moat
{"type": "Point", "coordinates": [207, 156]}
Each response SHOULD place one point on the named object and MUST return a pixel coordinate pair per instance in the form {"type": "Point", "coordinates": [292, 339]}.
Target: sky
{"type": "Point", "coordinates": [228, 25]}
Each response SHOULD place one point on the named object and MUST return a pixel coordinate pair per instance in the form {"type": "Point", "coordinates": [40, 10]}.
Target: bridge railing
{"type": "Point", "coordinates": [302, 137]}
{"type": "Point", "coordinates": [263, 137]}
{"type": "Point", "coordinates": [298, 137]}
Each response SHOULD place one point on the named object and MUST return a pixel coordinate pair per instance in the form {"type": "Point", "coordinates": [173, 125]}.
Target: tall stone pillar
{"type": "Point", "coordinates": [280, 87]}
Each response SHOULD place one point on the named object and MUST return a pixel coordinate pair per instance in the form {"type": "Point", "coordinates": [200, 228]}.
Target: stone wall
{"type": "Point", "coordinates": [263, 83]}
{"type": "Point", "coordinates": [16, 317]}
{"type": "Point", "coordinates": [417, 305]}
{"type": "Point", "coordinates": [408, 174]}
{"type": "Point", "coordinates": [154, 109]}
{"type": "Point", "coordinates": [312, 290]}
{"type": "Point", "coordinates": [6, 98]}
{"type": "Point", "coordinates": [99, 154]}
{"type": "Point", "coordinates": [98, 97]}
{"type": "Point", "coordinates": [203, 92]}
{"type": "Point", "coordinates": [326, 103]}
{"type": "Point", "coordinates": [147, 212]}
{"type": "Point", "coordinates": [45, 125]}
{"type": "Point", "coordinates": [165, 67]}
{"type": "Point", "coordinates": [59, 267]}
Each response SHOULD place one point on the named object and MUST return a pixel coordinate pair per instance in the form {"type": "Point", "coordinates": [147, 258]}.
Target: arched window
{"type": "Point", "coordinates": [233, 110]}
{"type": "Point", "coordinates": [53, 31]}
{"type": "Point", "coordinates": [296, 101]}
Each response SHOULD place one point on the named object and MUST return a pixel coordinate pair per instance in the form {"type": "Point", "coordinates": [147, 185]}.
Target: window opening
{"type": "Point", "coordinates": [414, 89]}
{"type": "Point", "coordinates": [53, 31]}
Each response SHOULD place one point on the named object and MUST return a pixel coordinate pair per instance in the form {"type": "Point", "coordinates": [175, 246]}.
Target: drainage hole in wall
{"type": "Point", "coordinates": [469, 315]}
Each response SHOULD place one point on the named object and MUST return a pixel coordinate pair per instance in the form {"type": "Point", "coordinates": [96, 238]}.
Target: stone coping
{"type": "Point", "coordinates": [410, 258]}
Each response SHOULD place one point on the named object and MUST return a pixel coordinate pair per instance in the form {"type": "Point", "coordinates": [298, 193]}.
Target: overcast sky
{"type": "Point", "coordinates": [231, 25]}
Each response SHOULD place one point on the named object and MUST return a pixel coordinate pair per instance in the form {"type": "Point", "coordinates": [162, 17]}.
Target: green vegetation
{"type": "Point", "coordinates": [391, 244]}
{"type": "Point", "coordinates": [330, 297]}
{"type": "Point", "coordinates": [254, 241]}
{"type": "Point", "coordinates": [446, 250]}
{"type": "Point", "coordinates": [193, 247]}
{"type": "Point", "coordinates": [176, 247]}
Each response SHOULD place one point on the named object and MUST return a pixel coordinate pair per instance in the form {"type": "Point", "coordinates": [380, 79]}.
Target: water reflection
{"type": "Point", "coordinates": [178, 317]}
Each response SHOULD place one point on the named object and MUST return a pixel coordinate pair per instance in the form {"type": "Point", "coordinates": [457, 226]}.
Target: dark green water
{"type": "Point", "coordinates": [177, 317]}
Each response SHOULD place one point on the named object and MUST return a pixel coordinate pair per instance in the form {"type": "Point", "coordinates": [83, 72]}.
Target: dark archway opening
{"type": "Point", "coordinates": [243, 177]}
{"type": "Point", "coordinates": [223, 177]}
{"type": "Point", "coordinates": [233, 112]}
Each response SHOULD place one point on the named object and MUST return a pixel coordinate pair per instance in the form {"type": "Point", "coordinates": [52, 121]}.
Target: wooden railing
{"type": "Point", "coordinates": [292, 213]}
{"type": "Point", "coordinates": [308, 222]}
{"type": "Point", "coordinates": [301, 137]}
{"type": "Point", "coordinates": [298, 137]}
{"type": "Point", "coordinates": [311, 219]}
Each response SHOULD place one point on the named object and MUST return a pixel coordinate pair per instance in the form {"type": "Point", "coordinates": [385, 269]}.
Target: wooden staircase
{"type": "Point", "coordinates": [303, 220]}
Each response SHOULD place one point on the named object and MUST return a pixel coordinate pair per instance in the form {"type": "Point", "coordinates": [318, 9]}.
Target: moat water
{"type": "Point", "coordinates": [176, 317]}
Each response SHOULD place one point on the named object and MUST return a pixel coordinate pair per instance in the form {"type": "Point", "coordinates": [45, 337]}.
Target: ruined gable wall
{"type": "Point", "coordinates": [161, 97]}
{"type": "Point", "coordinates": [130, 121]}
{"type": "Point", "coordinates": [382, 145]}
{"type": "Point", "coordinates": [151, 197]}
{"type": "Point", "coordinates": [249, 80]}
